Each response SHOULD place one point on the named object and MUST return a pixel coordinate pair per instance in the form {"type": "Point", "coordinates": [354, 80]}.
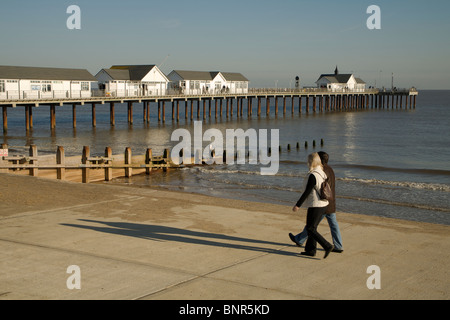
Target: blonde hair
{"type": "Point", "coordinates": [314, 161]}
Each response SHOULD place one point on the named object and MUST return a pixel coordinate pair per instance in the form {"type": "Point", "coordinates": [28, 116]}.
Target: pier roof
{"type": "Point", "coordinates": [234, 76]}
{"type": "Point", "coordinates": [336, 78]}
{"type": "Point", "coordinates": [196, 75]}
{"type": "Point", "coordinates": [209, 75]}
{"type": "Point", "coordinates": [117, 74]}
{"type": "Point", "coordinates": [135, 72]}
{"type": "Point", "coordinates": [39, 73]}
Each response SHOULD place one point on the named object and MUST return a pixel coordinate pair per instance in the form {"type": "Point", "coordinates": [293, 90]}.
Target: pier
{"type": "Point", "coordinates": [206, 106]}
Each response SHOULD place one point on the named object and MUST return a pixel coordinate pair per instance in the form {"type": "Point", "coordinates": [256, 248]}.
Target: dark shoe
{"type": "Point", "coordinates": [327, 252]}
{"type": "Point", "coordinates": [294, 240]}
{"type": "Point", "coordinates": [337, 250]}
{"type": "Point", "coordinates": [306, 253]}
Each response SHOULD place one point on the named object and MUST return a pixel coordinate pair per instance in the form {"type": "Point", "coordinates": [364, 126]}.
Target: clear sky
{"type": "Point", "coordinates": [270, 42]}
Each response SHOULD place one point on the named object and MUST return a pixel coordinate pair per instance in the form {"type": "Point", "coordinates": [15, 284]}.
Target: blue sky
{"type": "Point", "coordinates": [268, 41]}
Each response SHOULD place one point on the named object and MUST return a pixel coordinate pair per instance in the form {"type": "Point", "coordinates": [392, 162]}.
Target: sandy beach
{"type": "Point", "coordinates": [142, 243]}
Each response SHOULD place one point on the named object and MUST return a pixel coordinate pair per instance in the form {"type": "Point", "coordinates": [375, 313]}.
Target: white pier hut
{"type": "Point", "coordinates": [22, 83]}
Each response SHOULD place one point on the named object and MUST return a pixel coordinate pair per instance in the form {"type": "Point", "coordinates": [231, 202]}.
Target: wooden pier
{"type": "Point", "coordinates": [224, 105]}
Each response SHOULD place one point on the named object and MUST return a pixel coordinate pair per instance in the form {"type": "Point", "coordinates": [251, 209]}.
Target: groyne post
{"type": "Point", "coordinates": [148, 160]}
{"type": "Point", "coordinates": [166, 159]}
{"type": "Point", "coordinates": [85, 162]}
{"type": "Point", "coordinates": [108, 170]}
{"type": "Point", "coordinates": [128, 170]}
{"type": "Point", "coordinates": [33, 160]}
{"type": "Point", "coordinates": [60, 160]}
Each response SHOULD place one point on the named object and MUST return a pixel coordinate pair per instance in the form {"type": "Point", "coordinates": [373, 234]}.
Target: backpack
{"type": "Point", "coordinates": [325, 192]}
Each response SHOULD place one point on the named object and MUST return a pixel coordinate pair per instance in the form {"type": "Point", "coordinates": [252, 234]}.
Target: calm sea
{"type": "Point", "coordinates": [390, 163]}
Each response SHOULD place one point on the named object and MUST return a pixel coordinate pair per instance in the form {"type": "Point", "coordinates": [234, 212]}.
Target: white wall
{"type": "Point", "coordinates": [38, 89]}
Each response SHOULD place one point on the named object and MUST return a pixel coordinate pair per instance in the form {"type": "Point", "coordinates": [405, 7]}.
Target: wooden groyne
{"type": "Point", "coordinates": [254, 103]}
{"type": "Point", "coordinates": [85, 168]}
{"type": "Point", "coordinates": [89, 168]}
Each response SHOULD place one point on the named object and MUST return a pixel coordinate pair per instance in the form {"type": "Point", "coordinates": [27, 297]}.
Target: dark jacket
{"type": "Point", "coordinates": [331, 208]}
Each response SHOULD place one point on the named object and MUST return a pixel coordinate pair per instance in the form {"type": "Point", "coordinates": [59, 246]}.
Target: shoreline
{"type": "Point", "coordinates": [148, 243]}
{"type": "Point", "coordinates": [268, 202]}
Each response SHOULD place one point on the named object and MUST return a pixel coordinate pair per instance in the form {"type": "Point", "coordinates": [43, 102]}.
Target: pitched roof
{"type": "Point", "coordinates": [135, 73]}
{"type": "Point", "coordinates": [336, 78]}
{"type": "Point", "coordinates": [196, 75]}
{"type": "Point", "coordinates": [117, 74]}
{"type": "Point", "coordinates": [38, 73]}
{"type": "Point", "coordinates": [233, 76]}
{"type": "Point", "coordinates": [209, 75]}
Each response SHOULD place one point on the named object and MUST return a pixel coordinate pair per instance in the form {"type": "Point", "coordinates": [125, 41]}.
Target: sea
{"type": "Point", "coordinates": [388, 162]}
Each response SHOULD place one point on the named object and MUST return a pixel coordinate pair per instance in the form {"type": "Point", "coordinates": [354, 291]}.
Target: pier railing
{"type": "Point", "coordinates": [309, 90]}
{"type": "Point", "coordinates": [31, 95]}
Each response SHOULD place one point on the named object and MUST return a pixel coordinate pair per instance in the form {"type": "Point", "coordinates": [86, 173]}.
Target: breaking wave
{"type": "Point", "coordinates": [404, 184]}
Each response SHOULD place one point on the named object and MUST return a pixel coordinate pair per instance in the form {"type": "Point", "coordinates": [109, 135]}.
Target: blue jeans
{"type": "Point", "coordinates": [334, 228]}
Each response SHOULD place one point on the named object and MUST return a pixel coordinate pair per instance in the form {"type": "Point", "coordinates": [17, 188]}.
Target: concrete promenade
{"type": "Point", "coordinates": [138, 243]}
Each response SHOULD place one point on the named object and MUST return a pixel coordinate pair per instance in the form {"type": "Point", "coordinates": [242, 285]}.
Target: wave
{"type": "Point", "coordinates": [249, 186]}
{"type": "Point", "coordinates": [404, 184]}
{"type": "Point", "coordinates": [400, 204]}
{"type": "Point", "coordinates": [378, 168]}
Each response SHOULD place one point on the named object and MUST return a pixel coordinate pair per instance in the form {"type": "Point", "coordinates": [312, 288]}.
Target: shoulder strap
{"type": "Point", "coordinates": [315, 187]}
{"type": "Point", "coordinates": [324, 178]}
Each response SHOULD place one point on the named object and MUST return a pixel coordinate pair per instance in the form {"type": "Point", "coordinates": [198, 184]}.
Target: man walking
{"type": "Point", "coordinates": [330, 212]}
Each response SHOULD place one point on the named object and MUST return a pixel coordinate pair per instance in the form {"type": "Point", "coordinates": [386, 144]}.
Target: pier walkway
{"type": "Point", "coordinates": [302, 100]}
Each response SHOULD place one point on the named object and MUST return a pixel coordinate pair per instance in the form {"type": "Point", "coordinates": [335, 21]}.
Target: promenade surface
{"type": "Point", "coordinates": [141, 243]}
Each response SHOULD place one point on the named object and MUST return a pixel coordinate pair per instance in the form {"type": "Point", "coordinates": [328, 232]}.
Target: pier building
{"type": "Point", "coordinates": [340, 82]}
{"type": "Point", "coordinates": [132, 81]}
{"type": "Point", "coordinates": [207, 82]}
{"type": "Point", "coordinates": [18, 83]}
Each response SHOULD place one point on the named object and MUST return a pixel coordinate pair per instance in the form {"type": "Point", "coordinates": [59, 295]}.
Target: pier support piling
{"type": "Point", "coordinates": [52, 116]}
{"type": "Point", "coordinates": [5, 119]}
{"type": "Point", "coordinates": [94, 116]}
{"type": "Point", "coordinates": [74, 115]}
{"type": "Point", "coordinates": [27, 118]}
{"type": "Point", "coordinates": [112, 115]}
{"type": "Point", "coordinates": [130, 113]}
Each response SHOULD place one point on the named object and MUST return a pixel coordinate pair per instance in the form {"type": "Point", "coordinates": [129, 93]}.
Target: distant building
{"type": "Point", "coordinates": [236, 82]}
{"type": "Point", "coordinates": [340, 82]}
{"type": "Point", "coordinates": [44, 83]}
{"type": "Point", "coordinates": [204, 82]}
{"type": "Point", "coordinates": [132, 80]}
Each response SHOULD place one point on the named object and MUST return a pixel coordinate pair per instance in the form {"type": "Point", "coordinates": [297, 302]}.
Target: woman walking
{"type": "Point", "coordinates": [316, 206]}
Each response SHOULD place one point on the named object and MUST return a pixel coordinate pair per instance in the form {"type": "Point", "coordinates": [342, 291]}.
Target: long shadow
{"type": "Point", "coordinates": [163, 233]}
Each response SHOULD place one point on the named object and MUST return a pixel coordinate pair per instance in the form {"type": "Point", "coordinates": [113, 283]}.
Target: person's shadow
{"type": "Point", "coordinates": [164, 233]}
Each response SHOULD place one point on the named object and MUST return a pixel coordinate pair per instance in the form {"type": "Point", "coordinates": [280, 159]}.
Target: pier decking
{"type": "Point", "coordinates": [309, 100]}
